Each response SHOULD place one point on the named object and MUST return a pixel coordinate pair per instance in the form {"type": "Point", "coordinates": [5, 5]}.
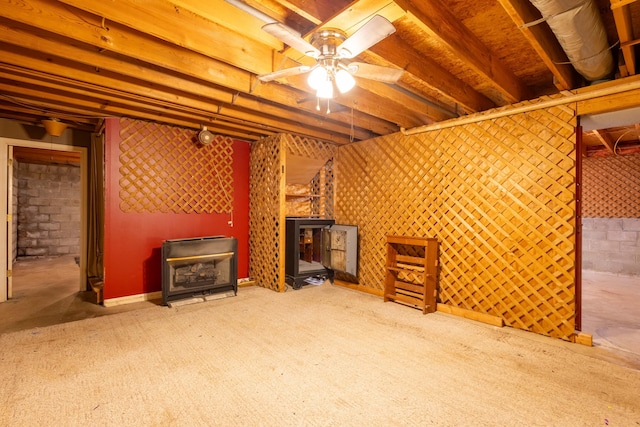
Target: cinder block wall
{"type": "Point", "coordinates": [48, 210]}
{"type": "Point", "coordinates": [611, 211]}
{"type": "Point", "coordinates": [611, 245]}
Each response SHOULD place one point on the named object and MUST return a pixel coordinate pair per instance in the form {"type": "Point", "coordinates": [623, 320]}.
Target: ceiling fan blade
{"type": "Point", "coordinates": [287, 72]}
{"type": "Point", "coordinates": [292, 38]}
{"type": "Point", "coordinates": [375, 72]}
{"type": "Point", "coordinates": [378, 28]}
{"type": "Point", "coordinates": [251, 10]}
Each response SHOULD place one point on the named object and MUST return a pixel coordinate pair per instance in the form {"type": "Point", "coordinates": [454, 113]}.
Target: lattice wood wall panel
{"type": "Point", "coordinates": [307, 147]}
{"type": "Point", "coordinates": [163, 170]}
{"type": "Point", "coordinates": [500, 197]}
{"type": "Point", "coordinates": [385, 186]}
{"type": "Point", "coordinates": [611, 187]}
{"type": "Point", "coordinates": [266, 216]}
{"type": "Point", "coordinates": [323, 186]}
{"type": "Point", "coordinates": [268, 204]}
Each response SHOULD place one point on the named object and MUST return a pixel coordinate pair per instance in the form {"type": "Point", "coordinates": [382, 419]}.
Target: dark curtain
{"type": "Point", "coordinates": [95, 234]}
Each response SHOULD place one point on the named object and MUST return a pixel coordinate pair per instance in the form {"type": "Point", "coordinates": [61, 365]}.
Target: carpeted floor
{"type": "Point", "coordinates": [46, 292]}
{"type": "Point", "coordinates": [320, 356]}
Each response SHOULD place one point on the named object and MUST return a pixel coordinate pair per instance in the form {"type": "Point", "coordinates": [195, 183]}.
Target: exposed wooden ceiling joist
{"type": "Point", "coordinates": [543, 41]}
{"type": "Point", "coordinates": [437, 21]}
{"type": "Point", "coordinates": [605, 139]}
{"type": "Point", "coordinates": [192, 63]}
{"type": "Point", "coordinates": [624, 25]}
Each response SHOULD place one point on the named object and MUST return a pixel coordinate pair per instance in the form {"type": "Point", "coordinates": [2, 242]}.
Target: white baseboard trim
{"type": "Point", "coordinates": [111, 302]}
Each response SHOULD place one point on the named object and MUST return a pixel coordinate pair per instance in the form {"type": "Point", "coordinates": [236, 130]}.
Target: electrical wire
{"type": "Point", "coordinates": [226, 195]}
{"type": "Point", "coordinates": [618, 140]}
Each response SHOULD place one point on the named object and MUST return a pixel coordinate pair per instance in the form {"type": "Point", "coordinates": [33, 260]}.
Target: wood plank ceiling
{"type": "Point", "coordinates": [194, 63]}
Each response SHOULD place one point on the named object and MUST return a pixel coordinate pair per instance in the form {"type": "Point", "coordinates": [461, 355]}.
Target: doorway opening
{"type": "Point", "coordinates": [46, 198]}
{"type": "Point", "coordinates": [45, 234]}
{"type": "Point", "coordinates": [610, 250]}
{"type": "Point", "coordinates": [45, 203]}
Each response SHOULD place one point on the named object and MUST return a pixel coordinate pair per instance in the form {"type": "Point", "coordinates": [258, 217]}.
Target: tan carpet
{"type": "Point", "coordinates": [320, 356]}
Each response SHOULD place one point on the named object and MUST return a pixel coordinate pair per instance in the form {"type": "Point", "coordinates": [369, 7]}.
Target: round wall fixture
{"type": "Point", "coordinates": [205, 137]}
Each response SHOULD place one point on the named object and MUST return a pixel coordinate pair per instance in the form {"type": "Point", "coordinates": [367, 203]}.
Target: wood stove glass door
{"type": "Point", "coordinates": [340, 248]}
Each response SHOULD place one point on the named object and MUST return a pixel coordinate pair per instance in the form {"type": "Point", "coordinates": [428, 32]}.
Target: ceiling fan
{"type": "Point", "coordinates": [332, 49]}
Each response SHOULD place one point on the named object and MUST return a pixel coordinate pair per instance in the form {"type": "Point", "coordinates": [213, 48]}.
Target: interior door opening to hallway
{"type": "Point", "coordinates": [45, 205]}
{"type": "Point", "coordinates": [609, 237]}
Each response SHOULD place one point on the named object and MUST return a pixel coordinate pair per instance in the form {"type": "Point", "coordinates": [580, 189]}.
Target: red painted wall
{"type": "Point", "coordinates": [132, 240]}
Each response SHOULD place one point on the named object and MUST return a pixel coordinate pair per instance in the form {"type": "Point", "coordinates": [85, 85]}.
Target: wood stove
{"type": "Point", "coordinates": [317, 247]}
{"type": "Point", "coordinates": [199, 266]}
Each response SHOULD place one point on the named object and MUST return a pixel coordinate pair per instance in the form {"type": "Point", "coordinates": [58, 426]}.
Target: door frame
{"type": "Point", "coordinates": [5, 143]}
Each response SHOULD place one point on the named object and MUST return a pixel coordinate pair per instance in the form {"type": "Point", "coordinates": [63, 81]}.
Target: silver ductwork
{"type": "Point", "coordinates": [581, 33]}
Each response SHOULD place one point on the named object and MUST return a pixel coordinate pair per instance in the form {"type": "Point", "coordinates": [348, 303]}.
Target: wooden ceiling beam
{"type": "Point", "coordinates": [217, 127]}
{"type": "Point", "coordinates": [378, 99]}
{"type": "Point", "coordinates": [76, 105]}
{"type": "Point", "coordinates": [543, 41]}
{"type": "Point", "coordinates": [309, 10]}
{"type": "Point", "coordinates": [421, 112]}
{"type": "Point", "coordinates": [605, 138]}
{"type": "Point", "coordinates": [613, 102]}
{"type": "Point", "coordinates": [624, 26]}
{"type": "Point", "coordinates": [56, 18]}
{"type": "Point", "coordinates": [147, 82]}
{"type": "Point", "coordinates": [396, 52]}
{"type": "Point", "coordinates": [130, 44]}
{"type": "Point", "coordinates": [177, 26]}
{"type": "Point", "coordinates": [148, 94]}
{"type": "Point", "coordinates": [434, 18]}
{"type": "Point", "coordinates": [183, 28]}
{"type": "Point", "coordinates": [327, 13]}
{"type": "Point", "coordinates": [105, 101]}
{"type": "Point", "coordinates": [620, 3]}
{"type": "Point", "coordinates": [357, 13]}
{"type": "Point", "coordinates": [404, 56]}
{"type": "Point", "coordinates": [229, 16]}
{"type": "Point", "coordinates": [33, 115]}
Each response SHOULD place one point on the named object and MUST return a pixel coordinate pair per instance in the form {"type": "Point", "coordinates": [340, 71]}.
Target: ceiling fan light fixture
{"type": "Point", "coordinates": [325, 90]}
{"type": "Point", "coordinates": [344, 81]}
{"type": "Point", "coordinates": [318, 77]}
